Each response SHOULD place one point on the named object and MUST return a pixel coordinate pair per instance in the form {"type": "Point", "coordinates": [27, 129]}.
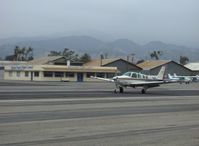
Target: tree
{"type": "Point", "coordinates": [156, 54]}
{"type": "Point", "coordinates": [55, 53]}
{"type": "Point", "coordinates": [29, 53]}
{"type": "Point", "coordinates": [184, 60]}
{"type": "Point", "coordinates": [21, 54]}
{"type": "Point", "coordinates": [85, 58]}
{"type": "Point", "coordinates": [70, 55]}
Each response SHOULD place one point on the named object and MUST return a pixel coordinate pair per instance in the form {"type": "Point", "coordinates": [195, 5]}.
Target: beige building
{"type": "Point", "coordinates": [48, 69]}
{"type": "Point", "coordinates": [6, 63]}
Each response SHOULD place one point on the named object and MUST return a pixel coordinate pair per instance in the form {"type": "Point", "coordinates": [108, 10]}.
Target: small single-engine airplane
{"type": "Point", "coordinates": [134, 79]}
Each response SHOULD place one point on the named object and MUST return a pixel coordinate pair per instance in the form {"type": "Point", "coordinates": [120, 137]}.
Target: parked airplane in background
{"type": "Point", "coordinates": [195, 78]}
{"type": "Point", "coordinates": [134, 79]}
{"type": "Point", "coordinates": [180, 79]}
{"type": "Point", "coordinates": [184, 79]}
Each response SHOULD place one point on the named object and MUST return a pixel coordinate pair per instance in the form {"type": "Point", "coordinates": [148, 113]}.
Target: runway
{"type": "Point", "coordinates": [90, 114]}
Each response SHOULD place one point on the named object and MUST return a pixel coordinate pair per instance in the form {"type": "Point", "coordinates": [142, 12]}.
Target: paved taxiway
{"type": "Point", "coordinates": [48, 114]}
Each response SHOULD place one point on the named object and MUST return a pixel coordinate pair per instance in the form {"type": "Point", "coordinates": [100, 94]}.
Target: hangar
{"type": "Point", "coordinates": [152, 67]}
{"type": "Point", "coordinates": [194, 67]}
{"type": "Point", "coordinates": [121, 64]}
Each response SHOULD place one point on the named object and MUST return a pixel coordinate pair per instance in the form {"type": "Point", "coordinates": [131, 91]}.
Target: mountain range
{"type": "Point", "coordinates": [87, 44]}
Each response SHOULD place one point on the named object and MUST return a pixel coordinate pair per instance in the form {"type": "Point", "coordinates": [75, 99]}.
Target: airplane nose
{"type": "Point", "coordinates": [115, 78]}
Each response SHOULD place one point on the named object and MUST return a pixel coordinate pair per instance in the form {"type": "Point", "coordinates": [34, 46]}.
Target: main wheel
{"type": "Point", "coordinates": [121, 90]}
{"type": "Point", "coordinates": [143, 91]}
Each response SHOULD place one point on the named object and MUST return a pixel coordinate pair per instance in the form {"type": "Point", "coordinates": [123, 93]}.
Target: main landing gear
{"type": "Point", "coordinates": [143, 91]}
{"type": "Point", "coordinates": [121, 90]}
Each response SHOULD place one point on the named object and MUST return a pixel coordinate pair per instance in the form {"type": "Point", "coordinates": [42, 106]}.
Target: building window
{"type": "Point", "coordinates": [70, 74]}
{"type": "Point", "coordinates": [110, 75]}
{"type": "Point", "coordinates": [101, 75]}
{"type": "Point", "coordinates": [10, 73]}
{"type": "Point", "coordinates": [26, 73]}
{"type": "Point", "coordinates": [59, 74]}
{"type": "Point", "coordinates": [36, 74]}
{"type": "Point", "coordinates": [18, 73]}
{"type": "Point", "coordinates": [89, 74]}
{"type": "Point", "coordinates": [48, 74]}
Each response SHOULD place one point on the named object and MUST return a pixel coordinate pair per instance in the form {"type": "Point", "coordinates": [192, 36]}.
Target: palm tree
{"type": "Point", "coordinates": [156, 55]}
{"type": "Point", "coordinates": [16, 53]}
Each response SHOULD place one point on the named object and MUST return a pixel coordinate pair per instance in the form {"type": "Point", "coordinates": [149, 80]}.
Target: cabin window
{"type": "Point", "coordinates": [134, 75]}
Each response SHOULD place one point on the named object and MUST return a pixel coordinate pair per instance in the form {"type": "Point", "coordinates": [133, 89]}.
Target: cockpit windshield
{"type": "Point", "coordinates": [135, 75]}
{"type": "Point", "coordinates": [127, 74]}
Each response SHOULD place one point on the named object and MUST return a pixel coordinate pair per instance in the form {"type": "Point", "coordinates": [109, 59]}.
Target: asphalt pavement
{"type": "Point", "coordinates": [89, 114]}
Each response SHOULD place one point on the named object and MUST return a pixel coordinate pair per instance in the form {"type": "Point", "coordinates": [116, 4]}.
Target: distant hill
{"type": "Point", "coordinates": [95, 47]}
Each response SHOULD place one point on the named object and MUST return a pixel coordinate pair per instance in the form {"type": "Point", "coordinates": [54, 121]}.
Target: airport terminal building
{"type": "Point", "coordinates": [56, 69]}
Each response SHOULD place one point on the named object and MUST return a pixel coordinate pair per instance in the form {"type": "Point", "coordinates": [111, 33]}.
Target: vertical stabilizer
{"type": "Point", "coordinates": [160, 75]}
{"type": "Point", "coordinates": [170, 77]}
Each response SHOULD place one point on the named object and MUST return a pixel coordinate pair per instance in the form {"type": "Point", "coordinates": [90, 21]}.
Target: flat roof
{"type": "Point", "coordinates": [60, 68]}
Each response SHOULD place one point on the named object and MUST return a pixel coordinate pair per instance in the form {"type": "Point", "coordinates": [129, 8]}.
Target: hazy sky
{"type": "Point", "coordinates": [170, 21]}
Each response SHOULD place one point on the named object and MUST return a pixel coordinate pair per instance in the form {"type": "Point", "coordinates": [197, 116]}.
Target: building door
{"type": "Point", "coordinates": [1, 74]}
{"type": "Point", "coordinates": [31, 76]}
{"type": "Point", "coordinates": [80, 77]}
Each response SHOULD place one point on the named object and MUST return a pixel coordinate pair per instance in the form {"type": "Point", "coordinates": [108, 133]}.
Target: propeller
{"type": "Point", "coordinates": [115, 79]}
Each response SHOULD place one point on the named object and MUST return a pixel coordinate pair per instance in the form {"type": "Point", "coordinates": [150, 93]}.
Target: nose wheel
{"type": "Point", "coordinates": [121, 90]}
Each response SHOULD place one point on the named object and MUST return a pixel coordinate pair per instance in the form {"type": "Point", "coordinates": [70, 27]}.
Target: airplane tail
{"type": "Point", "coordinates": [161, 73]}
{"type": "Point", "coordinates": [169, 75]}
{"type": "Point", "coordinates": [174, 75]}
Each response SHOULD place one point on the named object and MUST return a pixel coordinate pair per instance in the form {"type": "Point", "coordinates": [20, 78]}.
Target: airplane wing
{"type": "Point", "coordinates": [103, 79]}
{"type": "Point", "coordinates": [151, 83]}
